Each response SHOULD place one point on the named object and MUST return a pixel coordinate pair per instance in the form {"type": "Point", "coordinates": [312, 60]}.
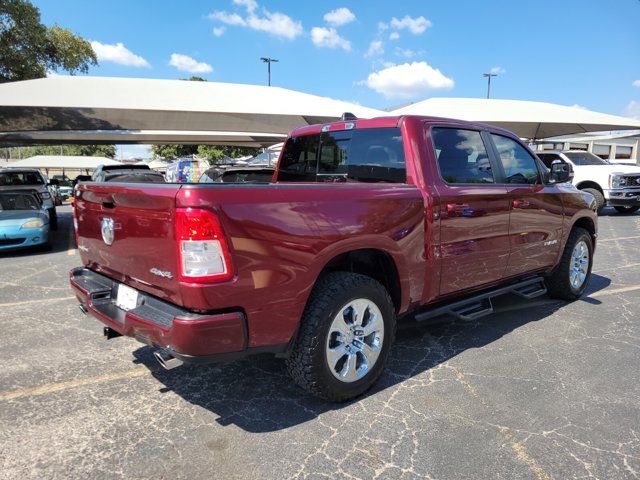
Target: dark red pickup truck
{"type": "Point", "coordinates": [364, 223]}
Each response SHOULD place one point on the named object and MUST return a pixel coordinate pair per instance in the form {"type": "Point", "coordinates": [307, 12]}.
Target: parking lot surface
{"type": "Point", "coordinates": [541, 389]}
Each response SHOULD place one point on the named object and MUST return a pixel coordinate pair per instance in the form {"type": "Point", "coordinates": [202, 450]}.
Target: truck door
{"type": "Point", "coordinates": [535, 226]}
{"type": "Point", "coordinates": [474, 211]}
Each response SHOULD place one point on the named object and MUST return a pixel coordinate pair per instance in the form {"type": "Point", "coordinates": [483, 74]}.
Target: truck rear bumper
{"type": "Point", "coordinates": [189, 336]}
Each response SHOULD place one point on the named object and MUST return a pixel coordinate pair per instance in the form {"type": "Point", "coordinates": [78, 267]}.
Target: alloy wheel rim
{"type": "Point", "coordinates": [354, 341]}
{"type": "Point", "coordinates": [579, 266]}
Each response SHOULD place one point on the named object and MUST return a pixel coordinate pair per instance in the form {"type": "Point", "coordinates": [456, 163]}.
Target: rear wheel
{"type": "Point", "coordinates": [569, 279]}
{"type": "Point", "coordinates": [623, 209]}
{"type": "Point", "coordinates": [600, 201]}
{"type": "Point", "coordinates": [345, 335]}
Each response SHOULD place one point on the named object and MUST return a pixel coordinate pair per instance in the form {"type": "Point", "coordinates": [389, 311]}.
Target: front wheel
{"type": "Point", "coordinates": [346, 331]}
{"type": "Point", "coordinates": [623, 209]}
{"type": "Point", "coordinates": [570, 278]}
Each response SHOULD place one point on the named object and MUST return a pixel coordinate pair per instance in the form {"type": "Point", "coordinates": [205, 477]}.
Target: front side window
{"type": "Point", "coordinates": [461, 155]}
{"type": "Point", "coordinates": [367, 155]}
{"type": "Point", "coordinates": [585, 158]}
{"type": "Point", "coordinates": [519, 166]}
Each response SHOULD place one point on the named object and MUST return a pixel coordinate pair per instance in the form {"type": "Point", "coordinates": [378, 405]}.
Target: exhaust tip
{"type": "Point", "coordinates": [83, 308]}
{"type": "Point", "coordinates": [167, 360]}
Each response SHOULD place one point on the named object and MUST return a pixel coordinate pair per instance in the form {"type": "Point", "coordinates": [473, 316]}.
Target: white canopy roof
{"type": "Point", "coordinates": [533, 120]}
{"type": "Point", "coordinates": [134, 110]}
{"type": "Point", "coordinates": [63, 161]}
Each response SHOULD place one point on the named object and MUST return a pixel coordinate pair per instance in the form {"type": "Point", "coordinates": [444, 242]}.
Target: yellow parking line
{"type": "Point", "coordinates": [57, 387]}
{"type": "Point", "coordinates": [602, 293]}
{"type": "Point", "coordinates": [616, 239]}
{"type": "Point", "coordinates": [42, 300]}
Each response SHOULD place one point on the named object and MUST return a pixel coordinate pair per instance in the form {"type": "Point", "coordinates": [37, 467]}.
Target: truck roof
{"type": "Point", "coordinates": [392, 121]}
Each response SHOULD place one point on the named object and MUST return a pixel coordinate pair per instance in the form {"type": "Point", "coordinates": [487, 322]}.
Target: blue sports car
{"type": "Point", "coordinates": [23, 221]}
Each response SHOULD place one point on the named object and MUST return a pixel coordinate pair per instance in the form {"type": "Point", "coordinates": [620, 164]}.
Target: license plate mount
{"type": "Point", "coordinates": [127, 297]}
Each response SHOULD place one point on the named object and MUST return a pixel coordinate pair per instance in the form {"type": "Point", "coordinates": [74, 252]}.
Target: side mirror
{"type": "Point", "coordinates": [54, 182]}
{"type": "Point", "coordinates": [561, 172]}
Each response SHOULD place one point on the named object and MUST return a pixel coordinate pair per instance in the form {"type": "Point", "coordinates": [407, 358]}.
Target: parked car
{"type": "Point", "coordinates": [24, 222]}
{"type": "Point", "coordinates": [611, 184]}
{"type": "Point", "coordinates": [126, 173]}
{"type": "Point", "coordinates": [31, 179]}
{"type": "Point", "coordinates": [237, 175]}
{"type": "Point", "coordinates": [368, 222]}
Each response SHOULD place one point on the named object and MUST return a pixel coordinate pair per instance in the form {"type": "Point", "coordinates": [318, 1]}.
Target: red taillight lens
{"type": "Point", "coordinates": [203, 254]}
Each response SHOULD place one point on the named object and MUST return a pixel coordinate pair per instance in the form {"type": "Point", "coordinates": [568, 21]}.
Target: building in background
{"type": "Point", "coordinates": [617, 147]}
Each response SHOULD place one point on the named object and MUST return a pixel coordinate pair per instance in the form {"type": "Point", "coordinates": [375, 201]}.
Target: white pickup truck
{"type": "Point", "coordinates": [611, 184]}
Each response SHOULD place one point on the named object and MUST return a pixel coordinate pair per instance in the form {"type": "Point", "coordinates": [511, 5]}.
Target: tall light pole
{"type": "Point", "coordinates": [268, 61]}
{"type": "Point", "coordinates": [488, 77]}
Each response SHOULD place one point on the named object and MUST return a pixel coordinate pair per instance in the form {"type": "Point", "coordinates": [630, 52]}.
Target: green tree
{"type": "Point", "coordinates": [213, 153]}
{"type": "Point", "coordinates": [83, 150]}
{"type": "Point", "coordinates": [28, 49]}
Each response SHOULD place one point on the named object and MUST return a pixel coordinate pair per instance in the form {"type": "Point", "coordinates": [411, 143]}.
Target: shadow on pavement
{"type": "Point", "coordinates": [257, 395]}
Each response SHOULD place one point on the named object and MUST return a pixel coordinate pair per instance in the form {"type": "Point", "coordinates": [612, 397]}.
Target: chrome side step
{"type": "Point", "coordinates": [479, 305]}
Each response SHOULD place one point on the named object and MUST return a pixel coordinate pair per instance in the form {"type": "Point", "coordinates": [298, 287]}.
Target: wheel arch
{"type": "Point", "coordinates": [589, 184]}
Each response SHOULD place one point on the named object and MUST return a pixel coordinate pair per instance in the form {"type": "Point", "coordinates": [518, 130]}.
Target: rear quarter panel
{"type": "Point", "coordinates": [282, 235]}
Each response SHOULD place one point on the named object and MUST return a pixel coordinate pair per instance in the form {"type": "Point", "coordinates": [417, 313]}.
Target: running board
{"type": "Point", "coordinates": [478, 306]}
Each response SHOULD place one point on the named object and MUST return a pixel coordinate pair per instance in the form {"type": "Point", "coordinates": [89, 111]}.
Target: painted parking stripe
{"type": "Point", "coordinates": [617, 239]}
{"type": "Point", "coordinates": [42, 300]}
{"type": "Point", "coordinates": [60, 386]}
{"type": "Point", "coordinates": [630, 288]}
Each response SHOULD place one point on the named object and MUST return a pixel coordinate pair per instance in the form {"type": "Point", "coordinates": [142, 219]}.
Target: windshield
{"type": "Point", "coordinates": [18, 201]}
{"type": "Point", "coordinates": [585, 158]}
{"type": "Point", "coordinates": [20, 178]}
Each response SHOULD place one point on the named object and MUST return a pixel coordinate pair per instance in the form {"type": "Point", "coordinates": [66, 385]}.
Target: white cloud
{"type": "Point", "coordinates": [394, 36]}
{"type": "Point", "coordinates": [636, 83]}
{"type": "Point", "coordinates": [329, 37]}
{"type": "Point", "coordinates": [416, 26]}
{"type": "Point", "coordinates": [375, 49]}
{"type": "Point", "coordinates": [632, 110]}
{"type": "Point", "coordinates": [407, 52]}
{"type": "Point", "coordinates": [228, 18]}
{"type": "Point", "coordinates": [218, 31]}
{"type": "Point", "coordinates": [339, 16]}
{"type": "Point", "coordinates": [276, 23]}
{"type": "Point", "coordinates": [188, 64]}
{"type": "Point", "coordinates": [408, 80]}
{"type": "Point", "coordinates": [498, 70]}
{"type": "Point", "coordinates": [118, 53]}
{"type": "Point", "coordinates": [250, 5]}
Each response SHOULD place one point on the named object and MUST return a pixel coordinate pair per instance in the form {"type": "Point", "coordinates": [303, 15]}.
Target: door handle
{"type": "Point", "coordinates": [521, 203]}
{"type": "Point", "coordinates": [457, 207]}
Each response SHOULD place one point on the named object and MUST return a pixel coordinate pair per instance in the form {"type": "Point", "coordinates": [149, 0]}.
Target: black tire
{"type": "Point", "coordinates": [600, 201]}
{"type": "Point", "coordinates": [558, 283]}
{"type": "Point", "coordinates": [53, 219]}
{"type": "Point", "coordinates": [307, 363]}
{"type": "Point", "coordinates": [622, 209]}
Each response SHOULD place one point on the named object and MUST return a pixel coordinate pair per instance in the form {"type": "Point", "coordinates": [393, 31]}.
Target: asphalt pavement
{"type": "Point", "coordinates": [541, 389]}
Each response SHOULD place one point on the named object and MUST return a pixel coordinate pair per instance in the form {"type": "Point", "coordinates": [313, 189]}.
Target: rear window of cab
{"type": "Point", "coordinates": [366, 155]}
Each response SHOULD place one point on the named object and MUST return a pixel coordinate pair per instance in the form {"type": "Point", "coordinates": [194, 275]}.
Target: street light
{"type": "Point", "coordinates": [488, 77]}
{"type": "Point", "coordinates": [268, 61]}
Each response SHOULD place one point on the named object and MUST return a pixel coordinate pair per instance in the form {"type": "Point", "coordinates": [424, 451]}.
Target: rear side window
{"type": "Point", "coordinates": [368, 155]}
{"type": "Point", "coordinates": [20, 178]}
{"type": "Point", "coordinates": [519, 166]}
{"type": "Point", "coordinates": [462, 156]}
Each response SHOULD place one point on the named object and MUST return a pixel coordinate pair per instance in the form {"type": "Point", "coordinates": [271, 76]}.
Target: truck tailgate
{"type": "Point", "coordinates": [137, 221]}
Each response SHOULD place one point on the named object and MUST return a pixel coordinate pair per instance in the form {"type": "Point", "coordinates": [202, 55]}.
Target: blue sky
{"type": "Point", "coordinates": [376, 53]}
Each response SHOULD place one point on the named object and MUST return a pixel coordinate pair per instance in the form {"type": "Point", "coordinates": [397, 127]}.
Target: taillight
{"type": "Point", "coordinates": [202, 249]}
